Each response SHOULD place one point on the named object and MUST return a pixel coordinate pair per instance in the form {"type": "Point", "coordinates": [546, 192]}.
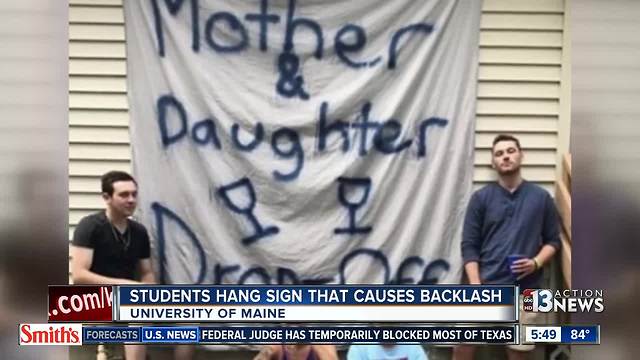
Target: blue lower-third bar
{"type": "Point", "coordinates": [581, 334]}
{"type": "Point", "coordinates": [170, 334]}
{"type": "Point", "coordinates": [110, 334]}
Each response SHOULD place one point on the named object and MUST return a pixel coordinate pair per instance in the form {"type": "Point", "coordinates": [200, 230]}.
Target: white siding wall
{"type": "Point", "coordinates": [519, 91]}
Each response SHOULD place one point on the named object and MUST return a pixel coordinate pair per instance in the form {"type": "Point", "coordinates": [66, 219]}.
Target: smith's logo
{"type": "Point", "coordinates": [50, 334]}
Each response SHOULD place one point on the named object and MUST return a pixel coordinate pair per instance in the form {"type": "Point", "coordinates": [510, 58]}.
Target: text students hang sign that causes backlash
{"type": "Point", "coordinates": [110, 248]}
{"type": "Point", "coordinates": [510, 232]}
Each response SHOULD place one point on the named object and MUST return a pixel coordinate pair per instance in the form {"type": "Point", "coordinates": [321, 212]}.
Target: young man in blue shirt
{"type": "Point", "coordinates": [509, 217]}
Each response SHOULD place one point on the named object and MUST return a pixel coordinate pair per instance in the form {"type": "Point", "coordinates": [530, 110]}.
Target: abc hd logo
{"type": "Point", "coordinates": [569, 301]}
{"type": "Point", "coordinates": [50, 334]}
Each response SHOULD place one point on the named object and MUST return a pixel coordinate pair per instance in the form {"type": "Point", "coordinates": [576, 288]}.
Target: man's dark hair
{"type": "Point", "coordinates": [505, 137]}
{"type": "Point", "coordinates": [111, 177]}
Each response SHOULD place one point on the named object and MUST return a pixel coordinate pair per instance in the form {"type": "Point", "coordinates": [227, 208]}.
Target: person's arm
{"type": "Point", "coordinates": [550, 232]}
{"type": "Point", "coordinates": [146, 272]}
{"type": "Point", "coordinates": [473, 272]}
{"type": "Point", "coordinates": [472, 240]}
{"type": "Point", "coordinates": [544, 255]}
{"type": "Point", "coordinates": [550, 240]}
{"type": "Point", "coordinates": [81, 259]}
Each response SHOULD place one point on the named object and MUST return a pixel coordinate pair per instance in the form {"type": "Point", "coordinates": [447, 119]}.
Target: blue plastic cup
{"type": "Point", "coordinates": [513, 258]}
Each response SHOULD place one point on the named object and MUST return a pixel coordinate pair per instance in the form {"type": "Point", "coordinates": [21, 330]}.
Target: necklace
{"type": "Point", "coordinates": [125, 241]}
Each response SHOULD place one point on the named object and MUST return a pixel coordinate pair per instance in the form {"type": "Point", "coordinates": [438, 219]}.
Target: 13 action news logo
{"type": "Point", "coordinates": [50, 334]}
{"type": "Point", "coordinates": [570, 301]}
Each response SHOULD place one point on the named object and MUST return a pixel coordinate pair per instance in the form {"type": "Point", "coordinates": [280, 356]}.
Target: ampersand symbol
{"type": "Point", "coordinates": [290, 84]}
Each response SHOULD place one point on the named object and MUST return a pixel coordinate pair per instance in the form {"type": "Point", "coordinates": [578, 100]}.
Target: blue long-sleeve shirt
{"type": "Point", "coordinates": [499, 223]}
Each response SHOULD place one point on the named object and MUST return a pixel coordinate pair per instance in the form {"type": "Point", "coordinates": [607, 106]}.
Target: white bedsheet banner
{"type": "Point", "coordinates": [319, 141]}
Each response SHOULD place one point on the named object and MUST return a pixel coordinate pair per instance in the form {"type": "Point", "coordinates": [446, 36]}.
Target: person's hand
{"type": "Point", "coordinates": [523, 267]}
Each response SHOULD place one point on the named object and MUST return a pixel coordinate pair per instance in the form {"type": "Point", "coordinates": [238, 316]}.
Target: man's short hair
{"type": "Point", "coordinates": [506, 137]}
{"type": "Point", "coordinates": [111, 177]}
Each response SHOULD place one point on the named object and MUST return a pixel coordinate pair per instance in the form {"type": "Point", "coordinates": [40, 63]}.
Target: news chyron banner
{"type": "Point", "coordinates": [374, 314]}
{"type": "Point", "coordinates": [77, 334]}
{"type": "Point", "coordinates": [254, 303]}
{"type": "Point", "coordinates": [257, 303]}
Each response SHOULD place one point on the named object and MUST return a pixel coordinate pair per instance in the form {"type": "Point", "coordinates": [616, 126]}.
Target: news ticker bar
{"type": "Point", "coordinates": [564, 334]}
{"type": "Point", "coordinates": [313, 304]}
{"type": "Point", "coordinates": [78, 334]}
